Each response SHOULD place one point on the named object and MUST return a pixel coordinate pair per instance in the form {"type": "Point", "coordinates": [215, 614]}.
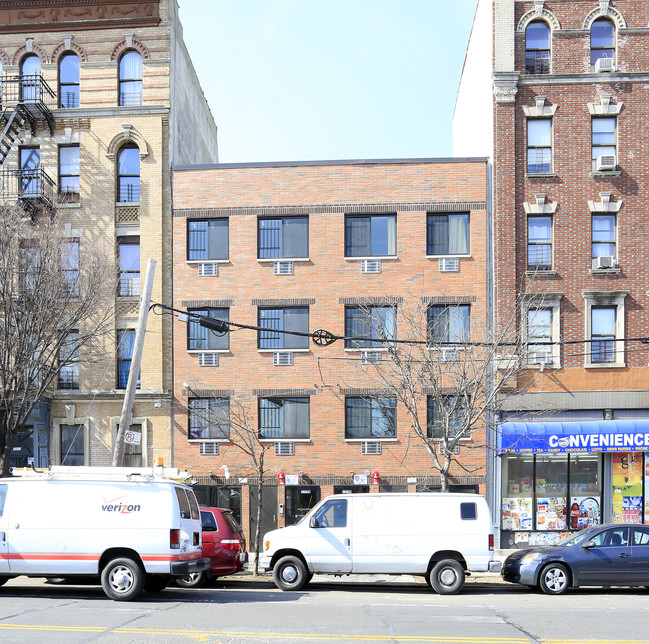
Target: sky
{"type": "Point", "coordinates": [305, 80]}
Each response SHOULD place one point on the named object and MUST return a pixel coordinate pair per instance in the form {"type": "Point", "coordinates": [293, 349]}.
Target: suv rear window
{"type": "Point", "coordinates": [232, 522]}
{"type": "Point", "coordinates": [209, 522]}
{"type": "Point", "coordinates": [468, 511]}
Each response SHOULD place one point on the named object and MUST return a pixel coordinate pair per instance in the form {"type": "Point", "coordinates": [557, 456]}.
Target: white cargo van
{"type": "Point", "coordinates": [131, 528]}
{"type": "Point", "coordinates": [440, 536]}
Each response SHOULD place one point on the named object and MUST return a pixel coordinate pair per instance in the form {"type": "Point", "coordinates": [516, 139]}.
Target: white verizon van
{"type": "Point", "coordinates": [442, 537]}
{"type": "Point", "coordinates": [131, 528]}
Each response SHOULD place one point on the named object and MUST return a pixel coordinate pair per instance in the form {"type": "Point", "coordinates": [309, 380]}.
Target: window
{"type": "Point", "coordinates": [370, 417]}
{"type": "Point", "coordinates": [370, 235]}
{"type": "Point", "coordinates": [30, 171]}
{"type": "Point", "coordinates": [539, 335]}
{"type": "Point", "coordinates": [603, 237]}
{"type": "Point", "coordinates": [128, 173]}
{"type": "Point", "coordinates": [69, 171]}
{"type": "Point", "coordinates": [602, 40]}
{"type": "Point", "coordinates": [30, 269]}
{"type": "Point", "coordinates": [209, 418]}
{"type": "Point", "coordinates": [69, 362]}
{"type": "Point", "coordinates": [603, 324]}
{"type": "Point", "coordinates": [283, 237]}
{"type": "Point", "coordinates": [130, 79]}
{"type": "Point", "coordinates": [447, 421]}
{"type": "Point", "coordinates": [539, 243]}
{"type": "Point", "coordinates": [128, 249]}
{"type": "Point", "coordinates": [69, 80]}
{"type": "Point", "coordinates": [274, 321]}
{"type": "Point", "coordinates": [372, 325]}
{"type": "Point", "coordinates": [281, 417]}
{"type": "Point", "coordinates": [332, 514]}
{"type": "Point", "coordinates": [72, 445]}
{"type": "Point", "coordinates": [201, 339]}
{"type": "Point", "coordinates": [70, 267]}
{"type": "Point", "coordinates": [30, 78]}
{"type": "Point", "coordinates": [539, 145]}
{"type": "Point", "coordinates": [603, 139]}
{"type": "Point", "coordinates": [207, 239]}
{"type": "Point", "coordinates": [447, 234]}
{"type": "Point", "coordinates": [449, 323]}
{"type": "Point", "coordinates": [125, 344]}
{"type": "Point", "coordinates": [537, 48]}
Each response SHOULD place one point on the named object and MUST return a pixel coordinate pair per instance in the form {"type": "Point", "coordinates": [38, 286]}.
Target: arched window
{"type": "Point", "coordinates": [130, 78]}
{"type": "Point", "coordinates": [537, 48]}
{"type": "Point", "coordinates": [30, 78]}
{"type": "Point", "coordinates": [602, 42]}
{"type": "Point", "coordinates": [69, 80]}
{"type": "Point", "coordinates": [128, 173]}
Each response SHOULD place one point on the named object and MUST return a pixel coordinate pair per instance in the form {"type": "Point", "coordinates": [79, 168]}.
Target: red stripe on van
{"type": "Point", "coordinates": [57, 556]}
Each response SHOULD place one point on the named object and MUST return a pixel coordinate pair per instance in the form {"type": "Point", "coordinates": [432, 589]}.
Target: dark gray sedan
{"type": "Point", "coordinates": [605, 555]}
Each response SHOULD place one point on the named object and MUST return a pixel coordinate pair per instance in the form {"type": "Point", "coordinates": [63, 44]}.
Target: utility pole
{"type": "Point", "coordinates": [136, 359]}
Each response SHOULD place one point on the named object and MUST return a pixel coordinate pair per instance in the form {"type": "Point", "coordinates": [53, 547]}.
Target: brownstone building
{"type": "Point", "coordinates": [567, 133]}
{"type": "Point", "coordinates": [306, 246]}
{"type": "Point", "coordinates": [99, 100]}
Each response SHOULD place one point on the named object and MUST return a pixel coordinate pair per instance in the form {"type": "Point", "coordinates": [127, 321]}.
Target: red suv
{"type": "Point", "coordinates": [223, 543]}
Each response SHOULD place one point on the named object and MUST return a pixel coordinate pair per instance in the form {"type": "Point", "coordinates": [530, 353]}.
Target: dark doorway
{"type": "Point", "coordinates": [268, 512]}
{"type": "Point", "coordinates": [220, 496]}
{"type": "Point", "coordinates": [299, 500]}
{"type": "Point", "coordinates": [23, 448]}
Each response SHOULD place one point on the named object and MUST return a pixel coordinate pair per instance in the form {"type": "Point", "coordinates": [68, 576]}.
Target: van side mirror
{"type": "Point", "coordinates": [589, 544]}
{"type": "Point", "coordinates": [313, 523]}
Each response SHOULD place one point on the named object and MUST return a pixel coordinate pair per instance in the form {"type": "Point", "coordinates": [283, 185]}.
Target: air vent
{"type": "Point", "coordinates": [208, 448]}
{"type": "Point", "coordinates": [283, 268]}
{"type": "Point", "coordinates": [605, 262]}
{"type": "Point", "coordinates": [208, 270]}
{"type": "Point", "coordinates": [449, 264]}
{"type": "Point", "coordinates": [285, 449]}
{"type": "Point", "coordinates": [370, 357]}
{"type": "Point", "coordinates": [371, 266]}
{"type": "Point", "coordinates": [208, 359]}
{"type": "Point", "coordinates": [370, 448]}
{"type": "Point", "coordinates": [449, 355]}
{"type": "Point", "coordinates": [283, 359]}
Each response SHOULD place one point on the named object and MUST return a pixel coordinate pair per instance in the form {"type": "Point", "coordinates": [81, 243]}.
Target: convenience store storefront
{"type": "Point", "coordinates": [559, 477]}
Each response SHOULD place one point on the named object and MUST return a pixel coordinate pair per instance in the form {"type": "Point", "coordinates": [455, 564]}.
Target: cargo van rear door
{"type": "Point", "coordinates": [328, 538]}
{"type": "Point", "coordinates": [4, 525]}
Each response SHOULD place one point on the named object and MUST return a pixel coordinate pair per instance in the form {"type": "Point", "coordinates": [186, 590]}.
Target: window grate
{"type": "Point", "coordinates": [208, 448]}
{"type": "Point", "coordinates": [283, 268]}
{"type": "Point", "coordinates": [371, 266]}
{"type": "Point", "coordinates": [371, 448]}
{"type": "Point", "coordinates": [208, 270]}
{"type": "Point", "coordinates": [285, 449]}
{"type": "Point", "coordinates": [283, 359]}
{"type": "Point", "coordinates": [370, 357]}
{"type": "Point", "coordinates": [449, 355]}
{"type": "Point", "coordinates": [208, 359]}
{"type": "Point", "coordinates": [449, 265]}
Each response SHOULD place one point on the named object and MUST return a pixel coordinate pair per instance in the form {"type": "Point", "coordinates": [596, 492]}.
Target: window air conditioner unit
{"type": "Point", "coordinates": [370, 448]}
{"type": "Point", "coordinates": [282, 359]}
{"type": "Point", "coordinates": [285, 449]}
{"type": "Point", "coordinates": [371, 266]}
{"type": "Point", "coordinates": [540, 357]}
{"type": "Point", "coordinates": [605, 262]}
{"type": "Point", "coordinates": [370, 357]}
{"type": "Point", "coordinates": [605, 65]}
{"type": "Point", "coordinates": [449, 264]}
{"type": "Point", "coordinates": [208, 359]}
{"type": "Point", "coordinates": [606, 162]}
{"type": "Point", "coordinates": [283, 268]}
{"type": "Point", "coordinates": [208, 448]}
{"type": "Point", "coordinates": [208, 270]}
{"type": "Point", "coordinates": [449, 355]}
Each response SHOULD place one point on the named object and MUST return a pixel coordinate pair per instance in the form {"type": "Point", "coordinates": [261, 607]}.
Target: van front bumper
{"type": "Point", "coordinates": [182, 568]}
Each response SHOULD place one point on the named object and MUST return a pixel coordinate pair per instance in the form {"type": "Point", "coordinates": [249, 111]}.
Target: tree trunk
{"type": "Point", "coordinates": [260, 473]}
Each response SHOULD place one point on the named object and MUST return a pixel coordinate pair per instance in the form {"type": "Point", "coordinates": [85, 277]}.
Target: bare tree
{"type": "Point", "coordinates": [57, 292]}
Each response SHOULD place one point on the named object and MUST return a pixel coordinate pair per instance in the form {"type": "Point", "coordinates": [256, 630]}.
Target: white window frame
{"type": "Point", "coordinates": [550, 301]}
{"type": "Point", "coordinates": [605, 298]}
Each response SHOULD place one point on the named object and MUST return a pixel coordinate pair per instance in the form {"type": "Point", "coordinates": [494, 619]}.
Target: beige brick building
{"type": "Point", "coordinates": [119, 104]}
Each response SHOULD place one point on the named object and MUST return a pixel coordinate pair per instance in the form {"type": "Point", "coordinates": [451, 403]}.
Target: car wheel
{"type": "Point", "coordinates": [290, 573]}
{"type": "Point", "coordinates": [155, 583]}
{"type": "Point", "coordinates": [122, 579]}
{"type": "Point", "coordinates": [192, 580]}
{"type": "Point", "coordinates": [447, 577]}
{"type": "Point", "coordinates": [554, 579]}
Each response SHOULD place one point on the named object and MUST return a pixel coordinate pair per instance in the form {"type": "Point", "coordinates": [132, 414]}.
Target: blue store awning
{"type": "Point", "coordinates": [588, 436]}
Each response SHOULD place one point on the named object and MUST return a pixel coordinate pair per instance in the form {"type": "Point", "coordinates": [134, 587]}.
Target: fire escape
{"type": "Point", "coordinates": [24, 102]}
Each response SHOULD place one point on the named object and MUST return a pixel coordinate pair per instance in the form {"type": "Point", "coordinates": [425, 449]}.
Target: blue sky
{"type": "Point", "coordinates": [298, 80]}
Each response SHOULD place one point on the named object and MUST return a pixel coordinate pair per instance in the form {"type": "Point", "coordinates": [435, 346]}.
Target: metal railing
{"type": "Point", "coordinates": [28, 185]}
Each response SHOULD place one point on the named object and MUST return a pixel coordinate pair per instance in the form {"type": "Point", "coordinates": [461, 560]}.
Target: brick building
{"type": "Point", "coordinates": [306, 246]}
{"type": "Point", "coordinates": [114, 102]}
{"type": "Point", "coordinates": [566, 131]}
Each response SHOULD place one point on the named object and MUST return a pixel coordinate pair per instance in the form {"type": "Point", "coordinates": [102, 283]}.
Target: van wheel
{"type": "Point", "coordinates": [290, 573]}
{"type": "Point", "coordinates": [447, 577]}
{"type": "Point", "coordinates": [122, 579]}
{"type": "Point", "coordinates": [155, 583]}
{"type": "Point", "coordinates": [192, 580]}
{"type": "Point", "coordinates": [554, 579]}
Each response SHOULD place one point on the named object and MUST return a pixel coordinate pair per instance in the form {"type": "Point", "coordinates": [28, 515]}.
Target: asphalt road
{"type": "Point", "coordinates": [240, 610]}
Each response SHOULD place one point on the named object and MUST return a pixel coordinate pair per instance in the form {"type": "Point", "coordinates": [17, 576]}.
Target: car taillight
{"type": "Point", "coordinates": [491, 542]}
{"type": "Point", "coordinates": [231, 544]}
{"type": "Point", "coordinates": [174, 538]}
